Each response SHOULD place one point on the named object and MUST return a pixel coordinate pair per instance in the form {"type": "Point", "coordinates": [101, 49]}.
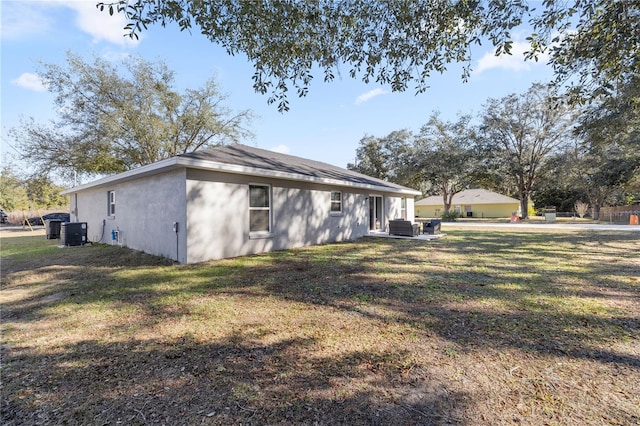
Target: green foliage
{"type": "Point", "coordinates": [370, 158]}
{"type": "Point", "coordinates": [398, 43]}
{"type": "Point", "coordinates": [594, 45]}
{"type": "Point", "coordinates": [556, 186]}
{"type": "Point", "coordinates": [445, 156]}
{"type": "Point", "coordinates": [387, 158]}
{"type": "Point", "coordinates": [43, 193]}
{"type": "Point", "coordinates": [451, 216]}
{"type": "Point", "coordinates": [19, 193]}
{"type": "Point", "coordinates": [519, 134]}
{"type": "Point", "coordinates": [440, 159]}
{"type": "Point", "coordinates": [607, 162]}
{"type": "Point", "coordinates": [113, 119]}
{"type": "Point", "coordinates": [13, 193]}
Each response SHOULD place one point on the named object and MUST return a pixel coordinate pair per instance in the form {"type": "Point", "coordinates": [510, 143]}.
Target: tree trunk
{"type": "Point", "coordinates": [524, 201]}
{"type": "Point", "coordinates": [446, 202]}
{"type": "Point", "coordinates": [447, 197]}
{"type": "Point", "coordinates": [524, 206]}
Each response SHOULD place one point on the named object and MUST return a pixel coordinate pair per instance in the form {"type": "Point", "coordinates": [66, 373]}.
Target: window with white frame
{"type": "Point", "coordinates": [403, 208]}
{"type": "Point", "coordinates": [336, 202]}
{"type": "Point", "coordinates": [111, 203]}
{"type": "Point", "coordinates": [259, 208]}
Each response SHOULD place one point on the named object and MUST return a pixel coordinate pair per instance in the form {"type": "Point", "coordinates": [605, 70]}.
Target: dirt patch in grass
{"type": "Point", "coordinates": [478, 328]}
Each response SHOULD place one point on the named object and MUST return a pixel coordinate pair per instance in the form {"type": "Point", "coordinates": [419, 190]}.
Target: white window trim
{"type": "Point", "coordinates": [261, 234]}
{"type": "Point", "coordinates": [403, 208]}
{"type": "Point", "coordinates": [111, 202]}
{"type": "Point", "coordinates": [331, 201]}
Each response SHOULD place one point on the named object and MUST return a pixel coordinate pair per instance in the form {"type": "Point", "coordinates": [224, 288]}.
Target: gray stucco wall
{"type": "Point", "coordinates": [212, 212]}
{"type": "Point", "coordinates": [218, 215]}
{"type": "Point", "coordinates": [393, 209]}
{"type": "Point", "coordinates": [146, 209]}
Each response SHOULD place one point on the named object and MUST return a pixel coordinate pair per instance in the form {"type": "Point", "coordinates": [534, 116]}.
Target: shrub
{"type": "Point", "coordinates": [450, 216]}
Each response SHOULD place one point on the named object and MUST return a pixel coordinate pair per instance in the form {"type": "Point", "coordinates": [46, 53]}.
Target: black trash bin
{"type": "Point", "coordinates": [52, 227]}
{"type": "Point", "coordinates": [73, 233]}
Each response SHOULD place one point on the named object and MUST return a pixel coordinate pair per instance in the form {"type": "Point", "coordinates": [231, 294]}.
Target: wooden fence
{"type": "Point", "coordinates": [619, 214]}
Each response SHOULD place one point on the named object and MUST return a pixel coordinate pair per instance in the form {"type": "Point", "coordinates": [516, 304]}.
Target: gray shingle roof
{"type": "Point", "coordinates": [256, 158]}
{"type": "Point", "coordinates": [243, 159]}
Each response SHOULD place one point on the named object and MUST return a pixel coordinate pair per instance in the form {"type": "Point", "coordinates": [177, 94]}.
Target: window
{"type": "Point", "coordinates": [336, 202]}
{"type": "Point", "coordinates": [111, 203]}
{"type": "Point", "coordinates": [259, 208]}
{"type": "Point", "coordinates": [403, 208]}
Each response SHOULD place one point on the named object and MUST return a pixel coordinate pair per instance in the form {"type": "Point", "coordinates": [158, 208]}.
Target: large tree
{"type": "Point", "coordinates": [112, 119]}
{"type": "Point", "coordinates": [371, 159]}
{"type": "Point", "coordinates": [608, 160]}
{"type": "Point", "coordinates": [602, 171]}
{"type": "Point", "coordinates": [401, 42]}
{"type": "Point", "coordinates": [439, 160]}
{"type": "Point", "coordinates": [446, 159]}
{"type": "Point", "coordinates": [557, 185]}
{"type": "Point", "coordinates": [388, 157]}
{"type": "Point", "coordinates": [520, 132]}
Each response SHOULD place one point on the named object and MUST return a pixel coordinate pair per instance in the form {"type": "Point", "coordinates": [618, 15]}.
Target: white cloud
{"type": "Point", "coordinates": [22, 19]}
{"type": "Point", "coordinates": [30, 81]}
{"type": "Point", "coordinates": [35, 18]}
{"type": "Point", "coordinates": [370, 95]}
{"type": "Point", "coordinates": [101, 25]}
{"type": "Point", "coordinates": [514, 62]}
{"type": "Point", "coordinates": [282, 149]}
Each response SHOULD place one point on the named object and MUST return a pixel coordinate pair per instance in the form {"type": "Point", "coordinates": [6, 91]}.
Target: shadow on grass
{"type": "Point", "coordinates": [233, 381]}
{"type": "Point", "coordinates": [528, 295]}
{"type": "Point", "coordinates": [544, 294]}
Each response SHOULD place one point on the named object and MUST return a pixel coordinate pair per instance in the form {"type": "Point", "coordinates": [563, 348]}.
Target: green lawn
{"type": "Point", "coordinates": [477, 328]}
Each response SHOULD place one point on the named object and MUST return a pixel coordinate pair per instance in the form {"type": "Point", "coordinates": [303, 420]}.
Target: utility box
{"type": "Point", "coordinates": [52, 228]}
{"type": "Point", "coordinates": [550, 214]}
{"type": "Point", "coordinates": [73, 233]}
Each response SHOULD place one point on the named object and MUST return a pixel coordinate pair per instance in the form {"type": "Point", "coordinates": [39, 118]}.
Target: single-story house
{"type": "Point", "coordinates": [235, 200]}
{"type": "Point", "coordinates": [470, 203]}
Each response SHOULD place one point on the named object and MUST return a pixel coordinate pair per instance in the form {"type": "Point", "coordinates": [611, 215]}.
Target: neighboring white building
{"type": "Point", "coordinates": [235, 200]}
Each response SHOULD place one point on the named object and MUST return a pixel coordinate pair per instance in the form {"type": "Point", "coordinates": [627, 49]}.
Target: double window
{"type": "Point", "coordinates": [111, 203]}
{"type": "Point", "coordinates": [260, 209]}
{"type": "Point", "coordinates": [336, 202]}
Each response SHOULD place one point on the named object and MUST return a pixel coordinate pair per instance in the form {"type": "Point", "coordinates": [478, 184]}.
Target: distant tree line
{"type": "Point", "coordinates": [532, 146]}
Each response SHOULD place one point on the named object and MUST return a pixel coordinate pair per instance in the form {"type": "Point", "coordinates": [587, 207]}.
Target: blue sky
{"type": "Point", "coordinates": [326, 125]}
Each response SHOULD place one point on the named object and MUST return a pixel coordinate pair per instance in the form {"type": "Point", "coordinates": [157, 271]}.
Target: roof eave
{"type": "Point", "coordinates": [147, 170]}
{"type": "Point", "coordinates": [254, 171]}
{"type": "Point", "coordinates": [179, 162]}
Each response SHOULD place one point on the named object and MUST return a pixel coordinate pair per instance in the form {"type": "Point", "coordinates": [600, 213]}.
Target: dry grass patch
{"type": "Point", "coordinates": [477, 328]}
